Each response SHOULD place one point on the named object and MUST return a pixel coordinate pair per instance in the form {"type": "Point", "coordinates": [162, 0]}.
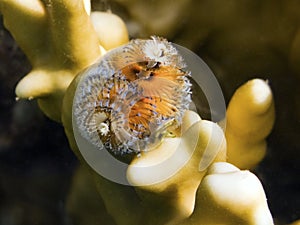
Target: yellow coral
{"type": "Point", "coordinates": [110, 29]}
{"type": "Point", "coordinates": [230, 196]}
{"type": "Point", "coordinates": [250, 118]}
{"type": "Point", "coordinates": [59, 40]}
{"type": "Point", "coordinates": [175, 196]}
{"type": "Point", "coordinates": [198, 140]}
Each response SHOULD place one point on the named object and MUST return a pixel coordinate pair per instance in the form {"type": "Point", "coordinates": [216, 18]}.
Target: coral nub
{"type": "Point", "coordinates": [132, 96]}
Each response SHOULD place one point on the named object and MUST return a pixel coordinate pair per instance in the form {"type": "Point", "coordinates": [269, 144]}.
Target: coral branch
{"type": "Point", "coordinates": [27, 22]}
{"type": "Point", "coordinates": [230, 196]}
{"type": "Point", "coordinates": [59, 39]}
{"type": "Point", "coordinates": [250, 118]}
{"type": "Point", "coordinates": [72, 33]}
{"type": "Point", "coordinates": [176, 195]}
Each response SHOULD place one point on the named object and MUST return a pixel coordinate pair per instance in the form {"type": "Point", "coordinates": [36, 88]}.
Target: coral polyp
{"type": "Point", "coordinates": [133, 96]}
